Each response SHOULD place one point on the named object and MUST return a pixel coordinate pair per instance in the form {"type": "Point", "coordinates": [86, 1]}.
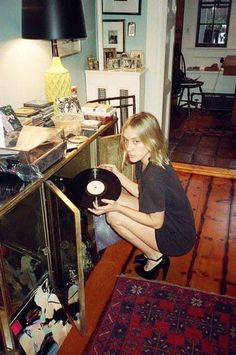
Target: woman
{"type": "Point", "coordinates": [153, 214]}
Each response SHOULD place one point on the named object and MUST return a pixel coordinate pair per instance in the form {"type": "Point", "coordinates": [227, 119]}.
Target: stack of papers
{"type": "Point", "coordinates": [96, 109]}
{"type": "Point", "coordinates": [91, 124]}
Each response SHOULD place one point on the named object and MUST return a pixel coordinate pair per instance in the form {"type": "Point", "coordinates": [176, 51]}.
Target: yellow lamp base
{"type": "Point", "coordinates": [57, 80]}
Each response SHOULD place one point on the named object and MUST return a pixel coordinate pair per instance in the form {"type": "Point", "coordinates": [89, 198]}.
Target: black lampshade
{"type": "Point", "coordinates": [53, 19]}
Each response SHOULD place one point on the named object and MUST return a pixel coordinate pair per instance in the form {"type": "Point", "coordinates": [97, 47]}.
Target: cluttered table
{"type": "Point", "coordinates": [44, 234]}
{"type": "Point", "coordinates": [21, 190]}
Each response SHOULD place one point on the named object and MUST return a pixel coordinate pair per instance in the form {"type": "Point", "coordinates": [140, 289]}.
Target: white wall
{"type": "Point", "coordinates": [204, 56]}
{"type": "Point", "coordinates": [22, 67]}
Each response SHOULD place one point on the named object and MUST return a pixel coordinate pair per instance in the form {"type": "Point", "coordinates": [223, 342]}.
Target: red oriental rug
{"type": "Point", "coordinates": [150, 317]}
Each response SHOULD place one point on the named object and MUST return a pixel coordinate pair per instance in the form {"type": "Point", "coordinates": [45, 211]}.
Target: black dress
{"type": "Point", "coordinates": [161, 190]}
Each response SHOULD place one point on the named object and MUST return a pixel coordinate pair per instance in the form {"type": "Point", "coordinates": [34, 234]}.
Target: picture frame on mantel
{"type": "Point", "coordinates": [108, 53]}
{"type": "Point", "coordinates": [119, 7]}
{"type": "Point", "coordinates": [114, 35]}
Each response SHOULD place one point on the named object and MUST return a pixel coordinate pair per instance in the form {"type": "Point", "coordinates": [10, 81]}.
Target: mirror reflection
{"type": "Point", "coordinates": [22, 244]}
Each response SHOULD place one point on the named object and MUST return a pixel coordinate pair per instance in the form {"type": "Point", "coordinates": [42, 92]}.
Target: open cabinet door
{"type": "Point", "coordinates": [109, 152]}
{"type": "Point", "coordinates": [65, 245]}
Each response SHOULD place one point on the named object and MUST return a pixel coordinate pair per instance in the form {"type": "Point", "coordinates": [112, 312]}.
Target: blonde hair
{"type": "Point", "coordinates": [147, 128]}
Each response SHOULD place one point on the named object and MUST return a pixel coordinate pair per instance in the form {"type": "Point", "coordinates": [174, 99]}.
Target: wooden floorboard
{"type": "Point", "coordinates": [210, 266]}
{"type": "Point", "coordinates": [210, 251]}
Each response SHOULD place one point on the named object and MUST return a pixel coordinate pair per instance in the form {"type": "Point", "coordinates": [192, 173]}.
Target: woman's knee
{"type": "Point", "coordinates": [112, 218]}
{"type": "Point", "coordinates": [117, 221]}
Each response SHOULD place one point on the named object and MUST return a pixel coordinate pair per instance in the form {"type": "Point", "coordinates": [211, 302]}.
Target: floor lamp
{"type": "Point", "coordinates": [53, 20]}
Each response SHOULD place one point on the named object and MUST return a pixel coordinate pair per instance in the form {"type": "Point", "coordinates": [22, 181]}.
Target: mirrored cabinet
{"type": "Point", "coordinates": [44, 256]}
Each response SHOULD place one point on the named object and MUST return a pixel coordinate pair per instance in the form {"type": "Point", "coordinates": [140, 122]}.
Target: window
{"type": "Point", "coordinates": [213, 23]}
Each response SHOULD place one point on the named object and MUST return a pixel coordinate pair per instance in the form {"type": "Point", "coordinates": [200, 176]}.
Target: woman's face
{"type": "Point", "coordinates": [135, 148]}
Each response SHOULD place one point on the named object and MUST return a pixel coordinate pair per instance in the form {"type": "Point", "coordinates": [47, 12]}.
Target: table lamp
{"type": "Point", "coordinates": [53, 20]}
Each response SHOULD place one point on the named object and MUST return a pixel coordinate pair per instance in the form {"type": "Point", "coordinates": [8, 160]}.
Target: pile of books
{"type": "Point", "coordinates": [28, 116]}
{"type": "Point", "coordinates": [90, 124]}
{"type": "Point", "coordinates": [46, 109]}
{"type": "Point", "coordinates": [36, 113]}
{"type": "Point", "coordinates": [99, 112]}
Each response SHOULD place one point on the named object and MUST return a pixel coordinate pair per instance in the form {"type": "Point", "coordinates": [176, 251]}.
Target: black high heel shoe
{"type": "Point", "coordinates": [151, 274]}
{"type": "Point", "coordinates": [140, 259]}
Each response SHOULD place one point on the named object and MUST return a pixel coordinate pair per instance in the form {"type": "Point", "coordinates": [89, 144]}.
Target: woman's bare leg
{"type": "Point", "coordinates": [141, 236]}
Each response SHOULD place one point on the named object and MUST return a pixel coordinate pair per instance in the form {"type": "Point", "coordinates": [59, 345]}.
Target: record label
{"type": "Point", "coordinates": [93, 185]}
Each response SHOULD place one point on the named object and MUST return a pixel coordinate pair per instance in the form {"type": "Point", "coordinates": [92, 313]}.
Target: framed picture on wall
{"type": "Point", "coordinates": [126, 7]}
{"type": "Point", "coordinates": [131, 29]}
{"type": "Point", "coordinates": [68, 47]}
{"type": "Point", "coordinates": [114, 35]}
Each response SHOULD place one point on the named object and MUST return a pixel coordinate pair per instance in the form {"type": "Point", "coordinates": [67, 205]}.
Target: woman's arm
{"type": "Point", "coordinates": [128, 184]}
{"type": "Point", "coordinates": [154, 220]}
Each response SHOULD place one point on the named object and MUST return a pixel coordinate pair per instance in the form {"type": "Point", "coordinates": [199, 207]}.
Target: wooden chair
{"type": "Point", "coordinates": [125, 105]}
{"type": "Point", "coordinates": [182, 84]}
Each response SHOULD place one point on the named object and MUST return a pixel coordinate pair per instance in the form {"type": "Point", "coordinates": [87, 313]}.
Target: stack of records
{"type": "Point", "coordinates": [45, 108]}
{"type": "Point", "coordinates": [29, 115]}
{"type": "Point", "coordinates": [10, 127]}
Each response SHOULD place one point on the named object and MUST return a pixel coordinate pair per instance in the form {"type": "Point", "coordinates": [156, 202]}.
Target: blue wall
{"type": "Point", "coordinates": [138, 41]}
{"type": "Point", "coordinates": [23, 62]}
{"type": "Point", "coordinates": [10, 19]}
{"type": "Point", "coordinates": [10, 35]}
{"type": "Point", "coordinates": [77, 64]}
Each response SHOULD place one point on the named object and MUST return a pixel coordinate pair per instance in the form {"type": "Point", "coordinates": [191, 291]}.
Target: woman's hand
{"type": "Point", "coordinates": [110, 167]}
{"type": "Point", "coordinates": [110, 206]}
{"type": "Point", "coordinates": [129, 185]}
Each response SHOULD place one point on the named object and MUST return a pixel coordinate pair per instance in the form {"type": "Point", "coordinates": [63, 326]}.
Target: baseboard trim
{"type": "Point", "coordinates": [205, 170]}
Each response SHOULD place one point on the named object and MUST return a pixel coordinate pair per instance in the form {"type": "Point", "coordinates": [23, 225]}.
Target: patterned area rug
{"type": "Point", "coordinates": [150, 317]}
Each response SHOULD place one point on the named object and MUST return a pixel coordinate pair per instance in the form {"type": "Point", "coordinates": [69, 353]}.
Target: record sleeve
{"type": "Point", "coordinates": [41, 323]}
{"type": "Point", "coordinates": [93, 185]}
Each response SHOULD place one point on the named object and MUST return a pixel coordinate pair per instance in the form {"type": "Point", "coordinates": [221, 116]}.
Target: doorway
{"type": "Point", "coordinates": [205, 138]}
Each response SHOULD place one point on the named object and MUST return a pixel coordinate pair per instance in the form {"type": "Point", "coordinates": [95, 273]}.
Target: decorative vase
{"type": "Point", "coordinates": [57, 80]}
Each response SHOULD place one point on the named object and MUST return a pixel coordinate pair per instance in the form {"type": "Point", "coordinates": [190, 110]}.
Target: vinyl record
{"type": "Point", "coordinates": [92, 185]}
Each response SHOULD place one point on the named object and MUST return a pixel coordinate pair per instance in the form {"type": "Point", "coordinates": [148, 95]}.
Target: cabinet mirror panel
{"type": "Point", "coordinates": [22, 242]}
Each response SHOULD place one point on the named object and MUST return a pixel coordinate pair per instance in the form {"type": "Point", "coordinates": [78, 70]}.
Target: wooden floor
{"type": "Point", "coordinates": [205, 138]}
{"type": "Point", "coordinates": [210, 266]}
